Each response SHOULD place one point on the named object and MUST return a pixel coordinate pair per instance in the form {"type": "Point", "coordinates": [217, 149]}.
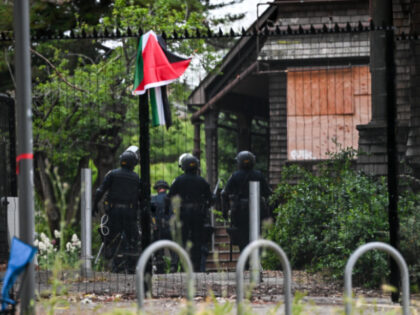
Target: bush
{"type": "Point", "coordinates": [409, 209]}
{"type": "Point", "coordinates": [322, 218]}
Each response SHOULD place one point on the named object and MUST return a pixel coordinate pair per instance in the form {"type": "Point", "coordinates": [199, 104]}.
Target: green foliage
{"type": "Point", "coordinates": [83, 110]}
{"type": "Point", "coordinates": [409, 205]}
{"type": "Point", "coordinates": [322, 218]}
{"type": "Point", "coordinates": [56, 299]}
{"type": "Point", "coordinates": [63, 245]}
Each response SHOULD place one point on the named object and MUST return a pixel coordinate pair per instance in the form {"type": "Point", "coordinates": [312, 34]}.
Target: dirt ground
{"type": "Point", "coordinates": [313, 295]}
{"type": "Point", "coordinates": [308, 305]}
{"type": "Point", "coordinates": [115, 293]}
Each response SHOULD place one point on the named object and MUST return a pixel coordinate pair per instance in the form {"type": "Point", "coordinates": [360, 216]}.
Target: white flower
{"type": "Point", "coordinates": [69, 247]}
{"type": "Point", "coordinates": [57, 234]}
{"type": "Point", "coordinates": [44, 237]}
{"type": "Point", "coordinates": [42, 246]}
{"type": "Point", "coordinates": [76, 243]}
{"type": "Point", "coordinates": [74, 238]}
{"type": "Point", "coordinates": [36, 242]}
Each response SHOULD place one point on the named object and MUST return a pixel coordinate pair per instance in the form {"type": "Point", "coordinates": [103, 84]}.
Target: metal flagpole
{"type": "Point", "coordinates": [24, 159]}
{"type": "Point", "coordinates": [144, 141]}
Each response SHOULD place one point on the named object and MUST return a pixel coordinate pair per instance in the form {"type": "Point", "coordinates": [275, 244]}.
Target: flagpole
{"type": "Point", "coordinates": [144, 144]}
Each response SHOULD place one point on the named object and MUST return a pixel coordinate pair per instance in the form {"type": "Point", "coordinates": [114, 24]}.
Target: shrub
{"type": "Point", "coordinates": [322, 218]}
{"type": "Point", "coordinates": [409, 209]}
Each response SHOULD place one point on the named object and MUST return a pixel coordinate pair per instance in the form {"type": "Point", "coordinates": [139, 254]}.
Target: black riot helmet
{"type": "Point", "coordinates": [189, 164]}
{"type": "Point", "coordinates": [181, 157]}
{"type": "Point", "coordinates": [245, 160]}
{"type": "Point", "coordinates": [128, 159]}
{"type": "Point", "coordinates": [161, 184]}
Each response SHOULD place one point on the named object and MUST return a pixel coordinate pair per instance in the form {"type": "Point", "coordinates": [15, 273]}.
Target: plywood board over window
{"type": "Point", "coordinates": [324, 106]}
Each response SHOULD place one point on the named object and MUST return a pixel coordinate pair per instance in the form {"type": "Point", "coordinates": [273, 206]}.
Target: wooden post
{"type": "Point", "coordinates": [197, 140]}
{"type": "Point", "coordinates": [244, 132]}
{"type": "Point", "coordinates": [210, 128]}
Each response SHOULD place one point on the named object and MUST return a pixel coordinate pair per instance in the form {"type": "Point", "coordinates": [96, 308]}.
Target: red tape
{"type": "Point", "coordinates": [23, 156]}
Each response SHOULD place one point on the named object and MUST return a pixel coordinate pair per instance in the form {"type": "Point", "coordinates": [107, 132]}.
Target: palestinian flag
{"type": "Point", "coordinates": [155, 68]}
{"type": "Point", "coordinates": [161, 114]}
{"type": "Point", "coordinates": [155, 65]}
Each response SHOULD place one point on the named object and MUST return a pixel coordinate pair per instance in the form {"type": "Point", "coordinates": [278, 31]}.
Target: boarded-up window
{"type": "Point", "coordinates": [324, 106]}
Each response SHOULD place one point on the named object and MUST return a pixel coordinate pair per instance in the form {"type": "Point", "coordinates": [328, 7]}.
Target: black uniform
{"type": "Point", "coordinates": [196, 199]}
{"type": "Point", "coordinates": [162, 214]}
{"type": "Point", "coordinates": [123, 187]}
{"type": "Point", "coordinates": [237, 190]}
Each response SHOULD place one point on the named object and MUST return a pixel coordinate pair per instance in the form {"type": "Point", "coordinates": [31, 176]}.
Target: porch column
{"type": "Point", "coordinates": [210, 129]}
{"type": "Point", "coordinates": [244, 132]}
{"type": "Point", "coordinates": [373, 136]}
{"type": "Point", "coordinates": [197, 140]}
{"type": "Point", "coordinates": [381, 14]}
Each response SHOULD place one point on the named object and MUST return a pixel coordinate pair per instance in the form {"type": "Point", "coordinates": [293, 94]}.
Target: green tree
{"type": "Point", "coordinates": [83, 108]}
{"type": "Point", "coordinates": [47, 16]}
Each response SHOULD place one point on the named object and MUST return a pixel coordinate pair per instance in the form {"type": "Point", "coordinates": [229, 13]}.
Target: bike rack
{"type": "Point", "coordinates": [185, 260]}
{"type": "Point", "coordinates": [401, 264]}
{"type": "Point", "coordinates": [286, 271]}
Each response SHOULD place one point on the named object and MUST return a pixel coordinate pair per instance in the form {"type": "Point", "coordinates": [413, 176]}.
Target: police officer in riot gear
{"type": "Point", "coordinates": [235, 197]}
{"type": "Point", "coordinates": [196, 199]}
{"type": "Point", "coordinates": [122, 203]}
{"type": "Point", "coordinates": [161, 215]}
{"type": "Point", "coordinates": [182, 156]}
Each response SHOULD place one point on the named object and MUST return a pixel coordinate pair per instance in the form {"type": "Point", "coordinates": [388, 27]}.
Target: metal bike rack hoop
{"type": "Point", "coordinates": [186, 263]}
{"type": "Point", "coordinates": [286, 271]}
{"type": "Point", "coordinates": [394, 254]}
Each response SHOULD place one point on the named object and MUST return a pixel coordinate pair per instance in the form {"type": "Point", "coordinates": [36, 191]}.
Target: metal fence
{"type": "Point", "coordinates": [324, 87]}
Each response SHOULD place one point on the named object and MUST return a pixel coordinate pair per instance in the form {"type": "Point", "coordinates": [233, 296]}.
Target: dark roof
{"type": "Point", "coordinates": [232, 66]}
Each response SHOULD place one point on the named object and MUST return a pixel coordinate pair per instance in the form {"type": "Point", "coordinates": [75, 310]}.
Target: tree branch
{"type": "Point", "coordinates": [9, 68]}
{"type": "Point", "coordinates": [58, 72]}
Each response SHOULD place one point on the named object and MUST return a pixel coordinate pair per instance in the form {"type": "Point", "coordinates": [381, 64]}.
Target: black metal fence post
{"type": "Point", "coordinates": [393, 218]}
{"type": "Point", "coordinates": [145, 168]}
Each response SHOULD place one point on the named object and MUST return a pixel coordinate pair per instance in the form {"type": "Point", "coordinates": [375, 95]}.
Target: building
{"type": "Point", "coordinates": [318, 77]}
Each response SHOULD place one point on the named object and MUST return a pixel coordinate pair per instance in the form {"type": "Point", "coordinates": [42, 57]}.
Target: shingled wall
{"type": "Point", "coordinates": [407, 20]}
{"type": "Point", "coordinates": [277, 126]}
{"type": "Point", "coordinates": [294, 15]}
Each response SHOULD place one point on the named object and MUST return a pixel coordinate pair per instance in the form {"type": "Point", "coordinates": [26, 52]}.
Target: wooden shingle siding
{"type": "Point", "coordinates": [277, 125]}
{"type": "Point", "coordinates": [406, 15]}
{"type": "Point", "coordinates": [299, 47]}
